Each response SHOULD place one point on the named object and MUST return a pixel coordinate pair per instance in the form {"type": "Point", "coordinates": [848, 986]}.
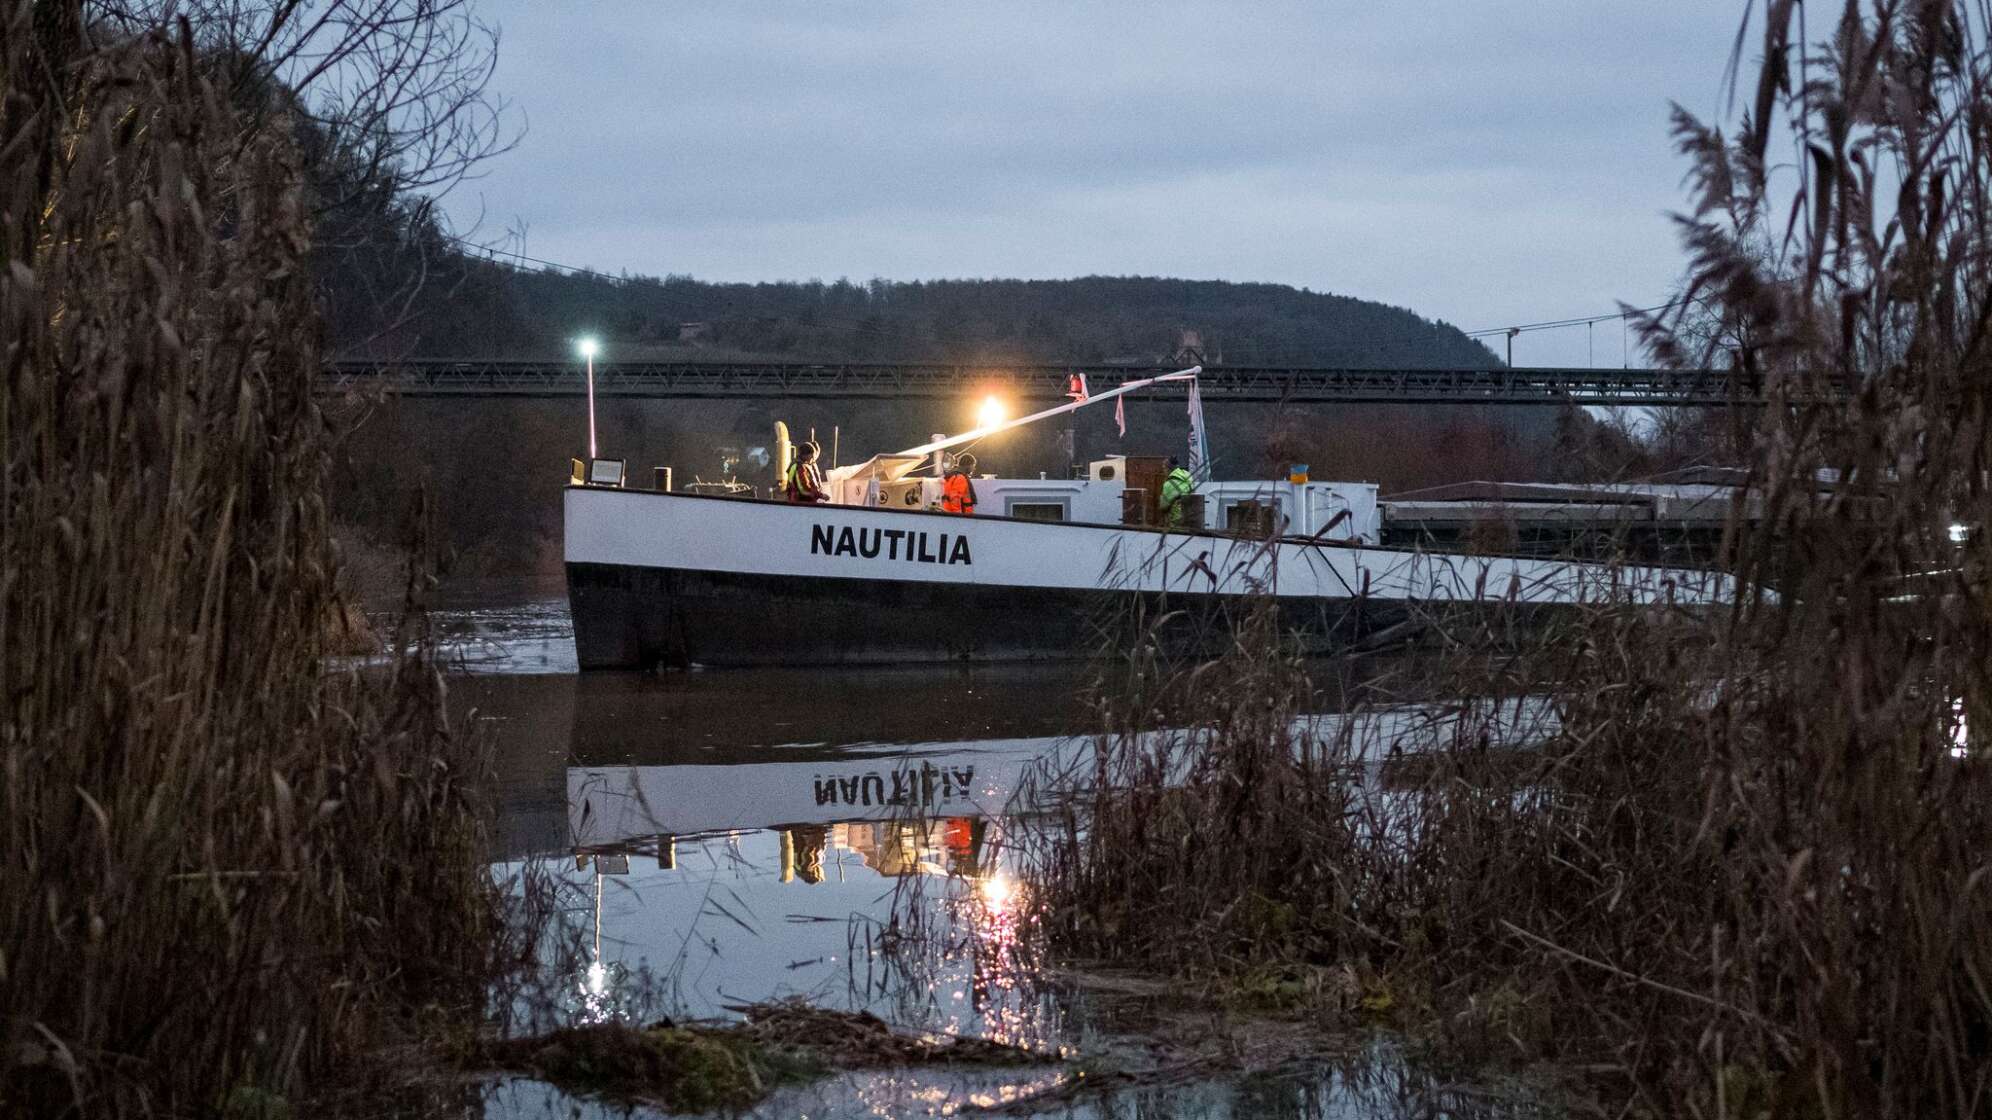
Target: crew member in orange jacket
{"type": "Point", "coordinates": [957, 491]}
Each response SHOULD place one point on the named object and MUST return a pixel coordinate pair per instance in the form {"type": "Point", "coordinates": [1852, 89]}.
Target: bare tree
{"type": "Point", "coordinates": [390, 105]}
{"type": "Point", "coordinates": [399, 89]}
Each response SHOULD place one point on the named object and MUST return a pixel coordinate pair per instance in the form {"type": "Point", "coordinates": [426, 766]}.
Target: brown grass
{"type": "Point", "coordinates": [1705, 885]}
{"type": "Point", "coordinates": [222, 870]}
{"type": "Point", "coordinates": [1748, 875]}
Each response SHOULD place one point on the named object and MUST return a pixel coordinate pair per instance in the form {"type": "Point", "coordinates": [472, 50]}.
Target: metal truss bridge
{"type": "Point", "coordinates": [902, 381]}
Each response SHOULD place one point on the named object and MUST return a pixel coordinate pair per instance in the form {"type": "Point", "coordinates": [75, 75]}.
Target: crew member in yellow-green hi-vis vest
{"type": "Point", "coordinates": [805, 479]}
{"type": "Point", "coordinates": [1175, 488]}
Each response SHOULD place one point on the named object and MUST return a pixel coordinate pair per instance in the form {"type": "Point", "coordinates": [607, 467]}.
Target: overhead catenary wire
{"type": "Point", "coordinates": [1624, 317]}
{"type": "Point", "coordinates": [1579, 321]}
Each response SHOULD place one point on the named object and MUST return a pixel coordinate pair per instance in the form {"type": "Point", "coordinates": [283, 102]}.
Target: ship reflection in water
{"type": "Point", "coordinates": [732, 838]}
{"type": "Point", "coordinates": [755, 836]}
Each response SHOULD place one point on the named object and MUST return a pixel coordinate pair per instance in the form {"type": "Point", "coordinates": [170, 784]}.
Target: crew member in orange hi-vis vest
{"type": "Point", "coordinates": [957, 491]}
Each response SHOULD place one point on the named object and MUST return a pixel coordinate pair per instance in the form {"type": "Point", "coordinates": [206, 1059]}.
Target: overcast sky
{"type": "Point", "coordinates": [1485, 162]}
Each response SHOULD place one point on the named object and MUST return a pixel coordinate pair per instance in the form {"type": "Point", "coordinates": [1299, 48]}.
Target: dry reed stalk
{"type": "Point", "coordinates": [222, 869]}
{"type": "Point", "coordinates": [1749, 875]}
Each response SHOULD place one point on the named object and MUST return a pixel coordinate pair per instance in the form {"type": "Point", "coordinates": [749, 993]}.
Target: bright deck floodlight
{"type": "Point", "coordinates": [588, 347]}
{"type": "Point", "coordinates": [992, 413]}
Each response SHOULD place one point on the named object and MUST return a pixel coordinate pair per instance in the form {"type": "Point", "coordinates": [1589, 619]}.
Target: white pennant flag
{"type": "Point", "coordinates": [1120, 415]}
{"type": "Point", "coordinates": [1199, 464]}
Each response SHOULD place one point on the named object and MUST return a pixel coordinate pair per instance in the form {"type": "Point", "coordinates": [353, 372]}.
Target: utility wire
{"type": "Point", "coordinates": [1400, 342]}
{"type": "Point", "coordinates": [1580, 321]}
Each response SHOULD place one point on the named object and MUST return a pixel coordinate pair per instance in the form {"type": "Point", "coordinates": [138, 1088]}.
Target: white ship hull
{"type": "Point", "coordinates": [672, 578]}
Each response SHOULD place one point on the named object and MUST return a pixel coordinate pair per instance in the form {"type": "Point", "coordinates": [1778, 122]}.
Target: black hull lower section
{"type": "Point", "coordinates": [632, 617]}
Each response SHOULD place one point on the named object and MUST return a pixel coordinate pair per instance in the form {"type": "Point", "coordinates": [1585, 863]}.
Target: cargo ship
{"type": "Point", "coordinates": [1044, 568]}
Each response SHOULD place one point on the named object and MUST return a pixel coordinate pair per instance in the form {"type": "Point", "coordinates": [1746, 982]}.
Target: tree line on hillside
{"type": "Point", "coordinates": [481, 308]}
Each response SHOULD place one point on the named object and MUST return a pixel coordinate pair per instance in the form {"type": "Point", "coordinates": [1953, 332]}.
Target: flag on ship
{"type": "Point", "coordinates": [1120, 415]}
{"type": "Point", "coordinates": [1075, 387]}
{"type": "Point", "coordinates": [1199, 464]}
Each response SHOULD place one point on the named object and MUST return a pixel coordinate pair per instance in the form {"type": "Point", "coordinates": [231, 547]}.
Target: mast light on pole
{"type": "Point", "coordinates": [589, 348]}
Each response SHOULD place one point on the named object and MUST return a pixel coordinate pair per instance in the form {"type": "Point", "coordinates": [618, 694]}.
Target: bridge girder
{"type": "Point", "coordinates": [936, 381]}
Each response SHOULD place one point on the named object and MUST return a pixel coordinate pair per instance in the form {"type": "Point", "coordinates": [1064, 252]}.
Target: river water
{"type": "Point", "coordinates": [727, 838]}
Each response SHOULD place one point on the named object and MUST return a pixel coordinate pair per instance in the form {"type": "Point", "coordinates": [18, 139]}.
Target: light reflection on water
{"type": "Point", "coordinates": [747, 837]}
{"type": "Point", "coordinates": [837, 837]}
{"type": "Point", "coordinates": [726, 920]}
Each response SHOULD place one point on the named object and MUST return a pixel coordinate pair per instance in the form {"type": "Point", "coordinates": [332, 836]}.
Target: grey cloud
{"type": "Point", "coordinates": [1477, 160]}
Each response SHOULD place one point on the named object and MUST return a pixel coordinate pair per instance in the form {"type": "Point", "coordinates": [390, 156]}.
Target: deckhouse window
{"type": "Point", "coordinates": [1272, 508]}
{"type": "Point", "coordinates": [1038, 510]}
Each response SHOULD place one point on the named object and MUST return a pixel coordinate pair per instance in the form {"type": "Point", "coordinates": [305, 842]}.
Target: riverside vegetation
{"type": "Point", "coordinates": [1747, 874]}
{"type": "Point", "coordinates": [1747, 877]}
{"type": "Point", "coordinates": [225, 871]}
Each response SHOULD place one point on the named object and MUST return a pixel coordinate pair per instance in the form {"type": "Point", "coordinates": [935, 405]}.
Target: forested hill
{"type": "Point", "coordinates": [476, 309]}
